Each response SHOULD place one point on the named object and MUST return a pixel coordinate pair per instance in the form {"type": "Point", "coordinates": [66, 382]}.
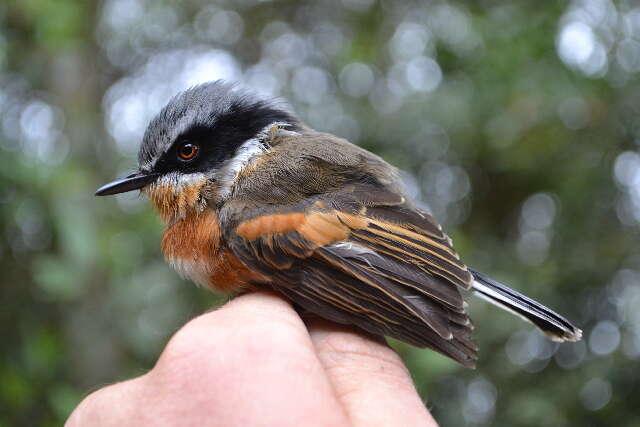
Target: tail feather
{"type": "Point", "coordinates": [551, 323]}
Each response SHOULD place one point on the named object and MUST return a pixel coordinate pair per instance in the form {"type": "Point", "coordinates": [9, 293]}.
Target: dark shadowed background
{"type": "Point", "coordinates": [517, 123]}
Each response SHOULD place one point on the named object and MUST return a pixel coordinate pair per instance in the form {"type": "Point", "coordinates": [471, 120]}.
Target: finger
{"type": "Point", "coordinates": [249, 363]}
{"type": "Point", "coordinates": [368, 377]}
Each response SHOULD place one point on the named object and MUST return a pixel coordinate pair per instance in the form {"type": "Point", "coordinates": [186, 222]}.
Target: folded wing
{"type": "Point", "coordinates": [362, 256]}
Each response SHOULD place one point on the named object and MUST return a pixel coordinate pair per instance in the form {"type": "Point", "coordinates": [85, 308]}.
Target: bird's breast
{"type": "Point", "coordinates": [194, 248]}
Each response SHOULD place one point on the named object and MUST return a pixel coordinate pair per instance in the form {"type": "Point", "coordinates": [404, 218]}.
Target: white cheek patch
{"type": "Point", "coordinates": [179, 181]}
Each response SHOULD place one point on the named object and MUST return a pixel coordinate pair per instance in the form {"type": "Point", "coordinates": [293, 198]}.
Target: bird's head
{"type": "Point", "coordinates": [194, 148]}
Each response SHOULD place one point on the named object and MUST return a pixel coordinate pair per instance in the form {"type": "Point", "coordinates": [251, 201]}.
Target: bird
{"type": "Point", "coordinates": [254, 199]}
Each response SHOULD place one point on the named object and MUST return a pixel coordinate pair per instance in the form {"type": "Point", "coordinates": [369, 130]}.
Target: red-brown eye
{"type": "Point", "coordinates": [188, 151]}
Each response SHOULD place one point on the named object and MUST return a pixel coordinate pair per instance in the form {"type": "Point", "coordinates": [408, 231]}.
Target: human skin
{"type": "Point", "coordinates": [254, 362]}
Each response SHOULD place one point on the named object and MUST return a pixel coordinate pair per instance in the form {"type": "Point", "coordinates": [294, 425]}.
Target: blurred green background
{"type": "Point", "coordinates": [517, 124]}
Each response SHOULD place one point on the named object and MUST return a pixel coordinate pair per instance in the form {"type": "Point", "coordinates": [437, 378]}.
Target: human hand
{"type": "Point", "coordinates": [253, 362]}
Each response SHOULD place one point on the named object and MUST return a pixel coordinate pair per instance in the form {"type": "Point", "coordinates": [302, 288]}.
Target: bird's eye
{"type": "Point", "coordinates": [188, 151]}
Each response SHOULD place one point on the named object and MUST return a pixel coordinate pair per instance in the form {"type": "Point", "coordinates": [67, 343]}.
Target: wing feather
{"type": "Point", "coordinates": [362, 256]}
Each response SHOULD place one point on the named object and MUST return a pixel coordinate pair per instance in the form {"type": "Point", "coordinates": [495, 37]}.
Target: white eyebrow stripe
{"type": "Point", "coordinates": [227, 174]}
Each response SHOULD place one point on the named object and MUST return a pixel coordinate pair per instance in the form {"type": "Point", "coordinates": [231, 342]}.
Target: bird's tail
{"type": "Point", "coordinates": [552, 324]}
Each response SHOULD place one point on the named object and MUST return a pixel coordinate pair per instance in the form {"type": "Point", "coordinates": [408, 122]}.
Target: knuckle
{"type": "Point", "coordinates": [78, 414]}
{"type": "Point", "coordinates": [183, 356]}
{"type": "Point", "coordinates": [183, 343]}
{"type": "Point", "coordinates": [96, 408]}
{"type": "Point", "coordinates": [87, 409]}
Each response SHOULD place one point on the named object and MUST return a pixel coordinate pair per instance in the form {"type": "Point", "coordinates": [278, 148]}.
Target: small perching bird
{"type": "Point", "coordinates": [254, 199]}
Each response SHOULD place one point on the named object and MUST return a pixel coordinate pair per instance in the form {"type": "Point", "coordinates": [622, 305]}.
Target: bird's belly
{"type": "Point", "coordinates": [194, 270]}
{"type": "Point", "coordinates": [193, 247]}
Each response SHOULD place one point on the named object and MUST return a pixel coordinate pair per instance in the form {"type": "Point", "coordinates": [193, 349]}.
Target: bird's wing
{"type": "Point", "coordinates": [361, 256]}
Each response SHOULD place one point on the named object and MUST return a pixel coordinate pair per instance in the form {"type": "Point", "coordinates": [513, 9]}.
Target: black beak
{"type": "Point", "coordinates": [134, 181]}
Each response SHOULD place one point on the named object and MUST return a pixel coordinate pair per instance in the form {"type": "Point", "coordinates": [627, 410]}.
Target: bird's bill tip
{"type": "Point", "coordinates": [132, 182]}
